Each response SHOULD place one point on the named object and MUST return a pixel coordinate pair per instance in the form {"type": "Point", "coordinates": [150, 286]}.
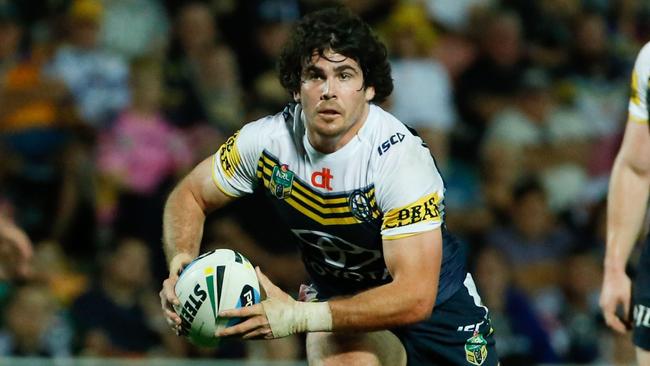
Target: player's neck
{"type": "Point", "coordinates": [329, 144]}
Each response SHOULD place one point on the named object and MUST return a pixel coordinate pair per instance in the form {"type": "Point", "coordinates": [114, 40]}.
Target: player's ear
{"type": "Point", "coordinates": [369, 93]}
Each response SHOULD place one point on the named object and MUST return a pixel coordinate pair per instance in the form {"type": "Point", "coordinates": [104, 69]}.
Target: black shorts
{"type": "Point", "coordinates": [457, 333]}
{"type": "Point", "coordinates": [641, 301]}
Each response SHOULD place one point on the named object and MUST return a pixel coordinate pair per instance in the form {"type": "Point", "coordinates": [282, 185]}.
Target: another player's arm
{"type": "Point", "coordinates": [627, 199]}
{"type": "Point", "coordinates": [628, 194]}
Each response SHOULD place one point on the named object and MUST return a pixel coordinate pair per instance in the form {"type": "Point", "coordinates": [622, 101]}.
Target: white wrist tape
{"type": "Point", "coordinates": [297, 317]}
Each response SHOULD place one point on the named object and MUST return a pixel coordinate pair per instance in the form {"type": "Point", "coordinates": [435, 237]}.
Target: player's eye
{"type": "Point", "coordinates": [345, 76]}
{"type": "Point", "coordinates": [313, 76]}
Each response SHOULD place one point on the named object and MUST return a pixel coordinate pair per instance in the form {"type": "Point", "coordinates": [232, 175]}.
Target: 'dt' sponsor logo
{"type": "Point", "coordinates": [322, 179]}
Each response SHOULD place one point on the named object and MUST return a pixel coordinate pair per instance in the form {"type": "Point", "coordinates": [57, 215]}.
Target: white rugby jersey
{"type": "Point", "coordinates": [638, 106]}
{"type": "Point", "coordinates": [383, 184]}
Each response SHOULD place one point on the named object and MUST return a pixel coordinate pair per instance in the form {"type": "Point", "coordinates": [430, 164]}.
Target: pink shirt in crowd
{"type": "Point", "coordinates": [142, 151]}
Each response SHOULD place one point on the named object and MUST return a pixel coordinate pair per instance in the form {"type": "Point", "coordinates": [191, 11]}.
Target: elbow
{"type": "Point", "coordinates": [420, 309]}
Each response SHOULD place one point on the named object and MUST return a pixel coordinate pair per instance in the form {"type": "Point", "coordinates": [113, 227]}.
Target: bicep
{"type": "Point", "coordinates": [201, 184]}
{"type": "Point", "coordinates": [635, 149]}
{"type": "Point", "coordinates": [415, 261]}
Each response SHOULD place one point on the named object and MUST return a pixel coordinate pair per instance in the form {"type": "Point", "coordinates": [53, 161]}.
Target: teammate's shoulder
{"type": "Point", "coordinates": [643, 59]}
{"type": "Point", "coordinates": [390, 135]}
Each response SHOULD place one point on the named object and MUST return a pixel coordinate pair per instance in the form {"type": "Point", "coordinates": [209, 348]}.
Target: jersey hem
{"type": "Point", "coordinates": [637, 120]}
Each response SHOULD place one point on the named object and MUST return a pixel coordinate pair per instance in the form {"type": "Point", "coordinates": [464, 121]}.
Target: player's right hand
{"type": "Point", "coordinates": [168, 298]}
{"type": "Point", "coordinates": [617, 290]}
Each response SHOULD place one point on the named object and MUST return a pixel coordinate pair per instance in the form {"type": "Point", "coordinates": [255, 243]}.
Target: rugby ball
{"type": "Point", "coordinates": [218, 280]}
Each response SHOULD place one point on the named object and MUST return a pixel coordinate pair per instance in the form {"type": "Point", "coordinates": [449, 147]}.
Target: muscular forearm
{"type": "Point", "coordinates": [627, 199]}
{"type": "Point", "coordinates": [382, 307]}
{"type": "Point", "coordinates": [183, 221]}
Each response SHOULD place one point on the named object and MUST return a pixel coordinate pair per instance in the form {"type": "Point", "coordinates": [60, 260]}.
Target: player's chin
{"type": "Point", "coordinates": [329, 128]}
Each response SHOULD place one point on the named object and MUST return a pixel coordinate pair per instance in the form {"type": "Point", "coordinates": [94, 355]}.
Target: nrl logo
{"type": "Point", "coordinates": [476, 349]}
{"type": "Point", "coordinates": [281, 181]}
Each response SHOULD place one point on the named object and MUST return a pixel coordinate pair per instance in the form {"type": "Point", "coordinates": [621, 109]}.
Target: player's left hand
{"type": "Point", "coordinates": [257, 325]}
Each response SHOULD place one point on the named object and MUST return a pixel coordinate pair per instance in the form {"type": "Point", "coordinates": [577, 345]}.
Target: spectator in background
{"type": "Point", "coordinates": [275, 18]}
{"type": "Point", "coordinates": [455, 15]}
{"type": "Point", "coordinates": [134, 28]}
{"type": "Point", "coordinates": [219, 90]}
{"type": "Point", "coordinates": [36, 135]}
{"type": "Point", "coordinates": [97, 78]}
{"type": "Point", "coordinates": [65, 278]}
{"type": "Point", "coordinates": [578, 314]}
{"type": "Point", "coordinates": [195, 34]}
{"type": "Point", "coordinates": [34, 326]}
{"type": "Point", "coordinates": [547, 29]}
{"type": "Point", "coordinates": [423, 92]}
{"type": "Point", "coordinates": [490, 83]}
{"type": "Point", "coordinates": [138, 159]}
{"type": "Point", "coordinates": [521, 337]}
{"type": "Point", "coordinates": [15, 250]}
{"type": "Point", "coordinates": [119, 315]}
{"type": "Point", "coordinates": [533, 241]}
{"type": "Point", "coordinates": [599, 90]}
{"type": "Point", "coordinates": [553, 141]}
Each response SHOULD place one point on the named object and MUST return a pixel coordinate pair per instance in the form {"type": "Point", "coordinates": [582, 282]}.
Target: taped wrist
{"type": "Point", "coordinates": [297, 317]}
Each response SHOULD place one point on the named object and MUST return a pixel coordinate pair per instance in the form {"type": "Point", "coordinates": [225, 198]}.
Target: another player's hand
{"type": "Point", "coordinates": [617, 289]}
{"type": "Point", "coordinates": [257, 325]}
{"type": "Point", "coordinates": [15, 251]}
{"type": "Point", "coordinates": [168, 296]}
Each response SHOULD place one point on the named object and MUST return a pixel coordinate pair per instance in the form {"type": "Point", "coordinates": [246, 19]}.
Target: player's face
{"type": "Point", "coordinates": [334, 99]}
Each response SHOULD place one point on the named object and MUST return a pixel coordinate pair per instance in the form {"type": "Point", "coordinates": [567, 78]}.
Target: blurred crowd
{"type": "Point", "coordinates": [104, 105]}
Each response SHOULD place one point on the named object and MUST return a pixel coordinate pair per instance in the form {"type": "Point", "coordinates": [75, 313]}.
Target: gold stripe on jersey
{"type": "Point", "coordinates": [229, 156]}
{"type": "Point", "coordinates": [634, 92]}
{"type": "Point", "coordinates": [324, 209]}
{"type": "Point", "coordinates": [318, 218]}
{"type": "Point", "coordinates": [426, 209]}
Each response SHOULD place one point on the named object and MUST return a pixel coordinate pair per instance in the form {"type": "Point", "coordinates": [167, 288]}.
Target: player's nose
{"type": "Point", "coordinates": [328, 89]}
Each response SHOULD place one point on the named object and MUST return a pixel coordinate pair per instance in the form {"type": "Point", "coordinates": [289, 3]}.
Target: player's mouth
{"type": "Point", "coordinates": [328, 113]}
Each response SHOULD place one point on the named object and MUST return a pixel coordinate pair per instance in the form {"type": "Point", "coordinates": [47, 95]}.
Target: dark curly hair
{"type": "Point", "coordinates": [342, 32]}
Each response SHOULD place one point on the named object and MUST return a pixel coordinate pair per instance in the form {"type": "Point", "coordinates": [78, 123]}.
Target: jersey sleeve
{"type": "Point", "coordinates": [235, 163]}
{"type": "Point", "coordinates": [638, 106]}
{"type": "Point", "coordinates": [409, 191]}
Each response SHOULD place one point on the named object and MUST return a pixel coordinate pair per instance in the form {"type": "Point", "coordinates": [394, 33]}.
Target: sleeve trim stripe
{"type": "Point", "coordinates": [216, 180]}
{"type": "Point", "coordinates": [637, 120]}
{"type": "Point", "coordinates": [400, 236]}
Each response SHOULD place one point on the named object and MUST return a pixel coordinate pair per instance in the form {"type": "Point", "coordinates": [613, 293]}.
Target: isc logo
{"type": "Point", "coordinates": [394, 139]}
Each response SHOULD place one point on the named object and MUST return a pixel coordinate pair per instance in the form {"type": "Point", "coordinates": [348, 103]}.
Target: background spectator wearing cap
{"type": "Point", "coordinates": [97, 78]}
